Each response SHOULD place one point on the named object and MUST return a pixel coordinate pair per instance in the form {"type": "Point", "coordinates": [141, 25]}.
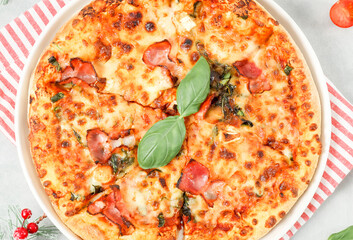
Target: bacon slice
{"type": "Point", "coordinates": [96, 207]}
{"type": "Point", "coordinates": [259, 85]}
{"type": "Point", "coordinates": [99, 145]}
{"type": "Point", "coordinates": [247, 69]}
{"type": "Point", "coordinates": [194, 178]}
{"type": "Point", "coordinates": [107, 205]}
{"type": "Point", "coordinates": [79, 69]}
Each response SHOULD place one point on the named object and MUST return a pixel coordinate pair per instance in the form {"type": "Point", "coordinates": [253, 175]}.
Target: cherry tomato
{"type": "Point", "coordinates": [341, 13]}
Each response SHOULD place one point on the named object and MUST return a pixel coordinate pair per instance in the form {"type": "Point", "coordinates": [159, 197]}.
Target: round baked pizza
{"type": "Point", "coordinates": [173, 119]}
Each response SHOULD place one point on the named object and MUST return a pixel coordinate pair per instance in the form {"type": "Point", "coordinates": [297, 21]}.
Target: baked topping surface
{"type": "Point", "coordinates": [113, 71]}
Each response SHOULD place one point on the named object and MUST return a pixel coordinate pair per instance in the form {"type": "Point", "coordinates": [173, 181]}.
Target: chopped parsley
{"type": "Point", "coordinates": [161, 220]}
{"type": "Point", "coordinates": [96, 189]}
{"type": "Point", "coordinates": [247, 123]}
{"type": "Point", "coordinates": [52, 60]}
{"type": "Point", "coordinates": [185, 210]}
{"type": "Point", "coordinates": [119, 164]}
{"type": "Point", "coordinates": [57, 97]}
{"type": "Point", "coordinates": [76, 197]}
{"type": "Point", "coordinates": [244, 17]}
{"type": "Point", "coordinates": [287, 70]}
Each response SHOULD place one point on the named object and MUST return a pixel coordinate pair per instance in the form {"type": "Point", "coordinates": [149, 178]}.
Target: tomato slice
{"type": "Point", "coordinates": [341, 13]}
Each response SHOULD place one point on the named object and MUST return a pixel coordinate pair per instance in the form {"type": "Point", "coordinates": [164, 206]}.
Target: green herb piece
{"type": "Point", "coordinates": [113, 162]}
{"type": "Point", "coordinates": [247, 123]}
{"type": "Point", "coordinates": [194, 88]}
{"type": "Point", "coordinates": [96, 189]}
{"type": "Point", "coordinates": [76, 197]}
{"type": "Point", "coordinates": [68, 85]}
{"type": "Point", "coordinates": [57, 46]}
{"type": "Point", "coordinates": [287, 70]}
{"type": "Point", "coordinates": [259, 195]}
{"type": "Point", "coordinates": [56, 111]}
{"type": "Point", "coordinates": [197, 8]}
{"type": "Point", "coordinates": [78, 137]}
{"type": "Point", "coordinates": [185, 210]}
{"type": "Point", "coordinates": [225, 78]}
{"type": "Point", "coordinates": [215, 131]}
{"type": "Point", "coordinates": [161, 143]}
{"type": "Point", "coordinates": [244, 17]}
{"type": "Point", "coordinates": [57, 97]}
{"type": "Point", "coordinates": [240, 113]}
{"type": "Point", "coordinates": [52, 60]}
{"type": "Point", "coordinates": [161, 220]}
{"type": "Point", "coordinates": [346, 234]}
{"type": "Point", "coordinates": [119, 164]}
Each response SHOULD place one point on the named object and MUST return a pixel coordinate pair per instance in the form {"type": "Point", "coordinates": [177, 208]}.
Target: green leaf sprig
{"type": "Point", "coordinates": [346, 234]}
{"type": "Point", "coordinates": [164, 139]}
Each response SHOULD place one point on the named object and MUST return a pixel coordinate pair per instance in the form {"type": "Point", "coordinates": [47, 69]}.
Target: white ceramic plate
{"type": "Point", "coordinates": [22, 131]}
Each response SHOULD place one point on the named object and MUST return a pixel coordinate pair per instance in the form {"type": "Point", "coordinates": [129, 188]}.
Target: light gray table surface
{"type": "Point", "coordinates": [334, 48]}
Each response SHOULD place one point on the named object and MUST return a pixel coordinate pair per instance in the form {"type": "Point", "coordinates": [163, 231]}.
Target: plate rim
{"type": "Point", "coordinates": [61, 18]}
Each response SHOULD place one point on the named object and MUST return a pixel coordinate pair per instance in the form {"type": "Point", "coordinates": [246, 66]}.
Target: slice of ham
{"type": "Point", "coordinates": [96, 207]}
{"type": "Point", "coordinates": [194, 178]}
{"type": "Point", "coordinates": [257, 82]}
{"type": "Point", "coordinates": [157, 55]}
{"type": "Point", "coordinates": [213, 191]}
{"type": "Point", "coordinates": [259, 85]}
{"type": "Point", "coordinates": [107, 205]}
{"type": "Point", "coordinates": [247, 69]}
{"type": "Point", "coordinates": [99, 146]}
{"type": "Point", "coordinates": [79, 69]}
{"type": "Point", "coordinates": [119, 202]}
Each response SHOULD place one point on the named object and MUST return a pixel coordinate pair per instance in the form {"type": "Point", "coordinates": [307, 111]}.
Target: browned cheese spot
{"type": "Point", "coordinates": [103, 51]}
{"type": "Point", "coordinates": [270, 222]}
{"type": "Point", "coordinates": [46, 183]}
{"type": "Point", "coordinates": [133, 20]}
{"type": "Point", "coordinates": [187, 44]}
{"type": "Point", "coordinates": [313, 127]}
{"type": "Point", "coordinates": [254, 221]}
{"type": "Point", "coordinates": [150, 27]}
{"type": "Point", "coordinates": [194, 57]}
{"type": "Point", "coordinates": [282, 214]}
{"type": "Point", "coordinates": [226, 154]}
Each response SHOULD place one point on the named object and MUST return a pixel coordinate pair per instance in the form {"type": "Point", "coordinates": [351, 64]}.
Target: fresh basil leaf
{"type": "Point", "coordinates": [194, 88]}
{"type": "Point", "coordinates": [346, 234]}
{"type": "Point", "coordinates": [161, 143]}
{"type": "Point", "coordinates": [57, 97]}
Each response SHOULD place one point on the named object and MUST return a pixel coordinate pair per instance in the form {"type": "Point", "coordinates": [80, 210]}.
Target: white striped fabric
{"type": "Point", "coordinates": [18, 37]}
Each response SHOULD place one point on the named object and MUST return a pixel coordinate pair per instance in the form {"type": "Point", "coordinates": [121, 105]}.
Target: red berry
{"type": "Point", "coordinates": [26, 213]}
{"type": "Point", "coordinates": [32, 227]}
{"type": "Point", "coordinates": [20, 233]}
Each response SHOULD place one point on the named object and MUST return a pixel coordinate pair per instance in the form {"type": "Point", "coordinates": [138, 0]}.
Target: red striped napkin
{"type": "Point", "coordinates": [18, 37]}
